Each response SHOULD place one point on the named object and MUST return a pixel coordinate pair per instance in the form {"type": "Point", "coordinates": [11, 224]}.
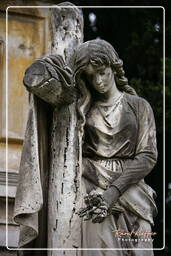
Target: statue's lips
{"type": "Point", "coordinates": [101, 89]}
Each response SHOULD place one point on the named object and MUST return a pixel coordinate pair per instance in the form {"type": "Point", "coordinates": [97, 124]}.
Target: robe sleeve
{"type": "Point", "coordinates": [145, 156]}
{"type": "Point", "coordinates": [50, 79]}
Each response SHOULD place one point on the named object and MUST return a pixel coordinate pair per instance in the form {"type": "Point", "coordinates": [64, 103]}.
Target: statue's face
{"type": "Point", "coordinates": [101, 78]}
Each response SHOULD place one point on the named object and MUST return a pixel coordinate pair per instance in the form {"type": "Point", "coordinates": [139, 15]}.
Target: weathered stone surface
{"type": "Point", "coordinates": [67, 30]}
{"type": "Point", "coordinates": [64, 183]}
{"type": "Point", "coordinates": [51, 80]}
{"type": "Point", "coordinates": [64, 174]}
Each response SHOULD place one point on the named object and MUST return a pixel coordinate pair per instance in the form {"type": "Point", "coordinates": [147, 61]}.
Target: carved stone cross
{"type": "Point", "coordinates": [50, 79]}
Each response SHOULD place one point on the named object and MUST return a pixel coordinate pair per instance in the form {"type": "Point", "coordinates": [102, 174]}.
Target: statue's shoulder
{"type": "Point", "coordinates": [138, 103]}
{"type": "Point", "coordinates": [136, 100]}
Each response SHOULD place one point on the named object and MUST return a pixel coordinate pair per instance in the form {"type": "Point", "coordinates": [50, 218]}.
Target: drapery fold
{"type": "Point", "coordinates": [29, 195]}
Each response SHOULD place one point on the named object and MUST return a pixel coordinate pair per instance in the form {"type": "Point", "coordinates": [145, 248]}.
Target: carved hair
{"type": "Point", "coordinates": [97, 52]}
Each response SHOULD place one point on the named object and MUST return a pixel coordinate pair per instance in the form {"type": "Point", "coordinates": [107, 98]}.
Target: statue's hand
{"type": "Point", "coordinates": [99, 206]}
{"type": "Point", "coordinates": [111, 196]}
{"type": "Point", "coordinates": [96, 207]}
{"type": "Point", "coordinates": [100, 213]}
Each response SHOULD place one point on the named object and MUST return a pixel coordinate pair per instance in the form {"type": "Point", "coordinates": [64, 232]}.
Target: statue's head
{"type": "Point", "coordinates": [98, 53]}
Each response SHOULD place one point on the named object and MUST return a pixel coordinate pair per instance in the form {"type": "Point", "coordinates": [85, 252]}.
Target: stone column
{"type": "Point", "coordinates": [64, 182]}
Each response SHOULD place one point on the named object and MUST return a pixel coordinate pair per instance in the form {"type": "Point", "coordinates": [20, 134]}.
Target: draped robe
{"type": "Point", "coordinates": [120, 148]}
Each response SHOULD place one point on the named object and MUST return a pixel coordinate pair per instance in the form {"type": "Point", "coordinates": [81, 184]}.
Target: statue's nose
{"type": "Point", "coordinates": [98, 79]}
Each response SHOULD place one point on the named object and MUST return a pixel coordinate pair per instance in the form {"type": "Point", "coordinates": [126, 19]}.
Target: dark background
{"type": "Point", "coordinates": [137, 35]}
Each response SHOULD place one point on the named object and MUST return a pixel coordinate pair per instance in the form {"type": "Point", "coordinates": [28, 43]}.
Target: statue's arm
{"type": "Point", "coordinates": [145, 156]}
{"type": "Point", "coordinates": [51, 80]}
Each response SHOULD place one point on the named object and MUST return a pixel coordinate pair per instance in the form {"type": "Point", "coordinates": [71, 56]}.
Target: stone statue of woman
{"type": "Point", "coordinates": [117, 149]}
